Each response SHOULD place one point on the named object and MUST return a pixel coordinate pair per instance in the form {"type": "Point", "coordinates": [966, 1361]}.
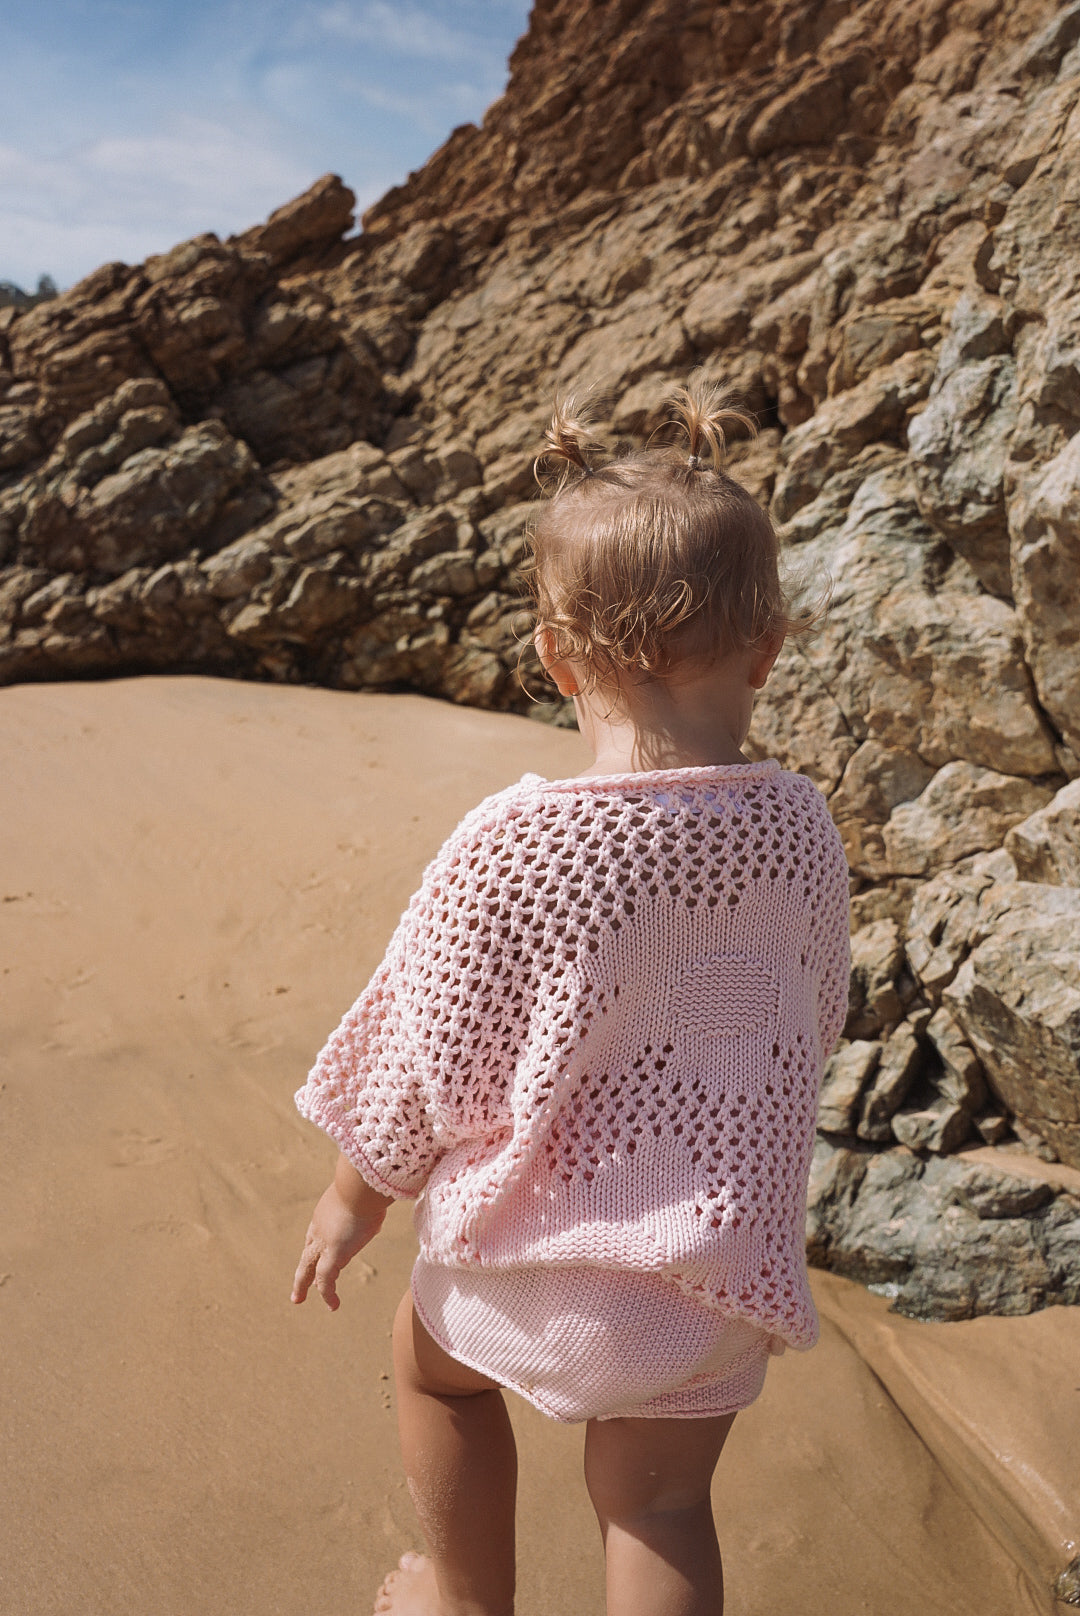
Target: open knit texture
{"type": "Point", "coordinates": [596, 1038]}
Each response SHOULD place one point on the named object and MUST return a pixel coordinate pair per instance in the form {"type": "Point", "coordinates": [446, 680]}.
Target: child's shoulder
{"type": "Point", "coordinates": [534, 805]}
{"type": "Point", "coordinates": [600, 831]}
{"type": "Point", "coordinates": [535, 796]}
{"type": "Point", "coordinates": [496, 815]}
{"type": "Point", "coordinates": [502, 806]}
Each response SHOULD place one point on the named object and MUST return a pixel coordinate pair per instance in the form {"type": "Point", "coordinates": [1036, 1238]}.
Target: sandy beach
{"type": "Point", "coordinates": [197, 878]}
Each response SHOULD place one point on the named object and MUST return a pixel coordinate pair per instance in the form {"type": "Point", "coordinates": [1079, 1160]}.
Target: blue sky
{"type": "Point", "coordinates": [129, 125]}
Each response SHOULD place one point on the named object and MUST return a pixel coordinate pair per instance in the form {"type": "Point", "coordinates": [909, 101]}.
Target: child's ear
{"type": "Point", "coordinates": [761, 663]}
{"type": "Point", "coordinates": [556, 668]}
{"type": "Point", "coordinates": [545, 646]}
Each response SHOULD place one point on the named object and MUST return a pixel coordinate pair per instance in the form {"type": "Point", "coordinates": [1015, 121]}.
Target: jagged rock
{"type": "Point", "coordinates": [871, 412]}
{"type": "Point", "coordinates": [993, 1194]}
{"type": "Point", "coordinates": [962, 654]}
{"type": "Point", "coordinates": [963, 810]}
{"type": "Point", "coordinates": [901, 1224]}
{"type": "Point", "coordinates": [157, 504]}
{"type": "Point", "coordinates": [451, 573]}
{"type": "Point", "coordinates": [414, 541]}
{"type": "Point", "coordinates": [1033, 1141]}
{"type": "Point", "coordinates": [78, 348]}
{"type": "Point", "coordinates": [890, 900]}
{"type": "Point", "coordinates": [17, 584]}
{"type": "Point", "coordinates": [961, 1081]}
{"type": "Point", "coordinates": [920, 670]}
{"type": "Point", "coordinates": [802, 722]}
{"type": "Point", "coordinates": [874, 1002]}
{"type": "Point", "coordinates": [720, 311]}
{"type": "Point", "coordinates": [897, 1070]}
{"type": "Point", "coordinates": [993, 1128]}
{"type": "Point", "coordinates": [847, 1071]}
{"type": "Point", "coordinates": [645, 338]}
{"type": "Point", "coordinates": [977, 330]}
{"type": "Point", "coordinates": [876, 780]}
{"type": "Point", "coordinates": [1045, 526]}
{"type": "Point", "coordinates": [238, 569]}
{"type": "Point", "coordinates": [939, 1128]}
{"type": "Point", "coordinates": [396, 646]}
{"type": "Point", "coordinates": [458, 469]}
{"type": "Point", "coordinates": [1017, 999]}
{"type": "Point", "coordinates": [944, 915]}
{"type": "Point", "coordinates": [1046, 846]}
{"type": "Point", "coordinates": [171, 588]}
{"type": "Point", "coordinates": [311, 407]}
{"type": "Point", "coordinates": [1014, 1006]}
{"type": "Point", "coordinates": [318, 218]}
{"type": "Point", "coordinates": [19, 440]}
{"type": "Point", "coordinates": [864, 340]}
{"type": "Point", "coordinates": [317, 599]}
{"type": "Point", "coordinates": [1043, 54]}
{"type": "Point", "coordinates": [958, 446]}
{"type": "Point", "coordinates": [805, 115]}
{"type": "Point", "coordinates": [472, 674]}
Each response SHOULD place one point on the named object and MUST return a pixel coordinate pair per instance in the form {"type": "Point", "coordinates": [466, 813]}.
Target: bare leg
{"type": "Point", "coordinates": [649, 1482]}
{"type": "Point", "coordinates": [461, 1464]}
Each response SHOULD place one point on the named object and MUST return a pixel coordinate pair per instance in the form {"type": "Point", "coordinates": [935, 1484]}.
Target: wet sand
{"type": "Point", "coordinates": [198, 876]}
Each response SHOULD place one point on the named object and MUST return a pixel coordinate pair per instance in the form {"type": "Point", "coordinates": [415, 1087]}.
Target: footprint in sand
{"type": "Point", "coordinates": [175, 1229]}
{"type": "Point", "coordinates": [134, 1149]}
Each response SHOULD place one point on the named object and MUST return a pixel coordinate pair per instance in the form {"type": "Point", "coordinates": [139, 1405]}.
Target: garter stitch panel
{"type": "Point", "coordinates": [597, 1034]}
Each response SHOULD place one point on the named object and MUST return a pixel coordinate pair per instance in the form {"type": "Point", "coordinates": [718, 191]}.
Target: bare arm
{"type": "Point", "coordinates": [347, 1216]}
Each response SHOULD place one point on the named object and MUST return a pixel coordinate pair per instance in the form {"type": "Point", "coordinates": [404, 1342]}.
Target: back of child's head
{"type": "Point", "coordinates": [656, 560]}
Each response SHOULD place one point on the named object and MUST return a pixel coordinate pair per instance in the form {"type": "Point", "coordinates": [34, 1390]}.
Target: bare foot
{"type": "Point", "coordinates": [409, 1591]}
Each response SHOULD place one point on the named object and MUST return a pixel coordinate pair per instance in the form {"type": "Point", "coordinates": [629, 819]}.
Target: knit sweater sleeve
{"type": "Point", "coordinates": [386, 1085]}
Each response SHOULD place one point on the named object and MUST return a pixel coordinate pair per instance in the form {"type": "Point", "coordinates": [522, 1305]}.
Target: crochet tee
{"type": "Point", "coordinates": [596, 1037]}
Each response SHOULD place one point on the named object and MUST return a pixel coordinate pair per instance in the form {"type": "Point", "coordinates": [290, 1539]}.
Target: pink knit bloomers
{"type": "Point", "coordinates": [583, 1343]}
{"type": "Point", "coordinates": [592, 1051]}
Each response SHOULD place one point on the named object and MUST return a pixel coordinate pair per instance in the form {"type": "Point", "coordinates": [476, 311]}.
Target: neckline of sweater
{"type": "Point", "coordinates": [643, 777]}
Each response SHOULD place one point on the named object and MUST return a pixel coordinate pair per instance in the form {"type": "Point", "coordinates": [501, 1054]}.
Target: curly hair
{"type": "Point", "coordinates": [641, 564]}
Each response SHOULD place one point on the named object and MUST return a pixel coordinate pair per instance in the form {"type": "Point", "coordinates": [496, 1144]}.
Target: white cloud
{"type": "Point", "coordinates": [454, 102]}
{"type": "Point", "coordinates": [124, 197]}
{"type": "Point", "coordinates": [210, 164]}
{"type": "Point", "coordinates": [139, 123]}
{"type": "Point", "coordinates": [406, 30]}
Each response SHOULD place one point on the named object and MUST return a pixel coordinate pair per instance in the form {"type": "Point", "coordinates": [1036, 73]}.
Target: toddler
{"type": "Point", "coordinates": [592, 1053]}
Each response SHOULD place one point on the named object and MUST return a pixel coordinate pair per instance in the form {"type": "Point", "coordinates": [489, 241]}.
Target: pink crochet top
{"type": "Point", "coordinates": [596, 1037]}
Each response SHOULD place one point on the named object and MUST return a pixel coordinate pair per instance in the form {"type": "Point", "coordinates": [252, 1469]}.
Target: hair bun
{"type": "Point", "coordinates": [570, 437]}
{"type": "Point", "coordinates": [707, 414]}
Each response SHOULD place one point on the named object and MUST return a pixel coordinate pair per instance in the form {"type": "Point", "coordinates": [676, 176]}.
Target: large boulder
{"type": "Point", "coordinates": [1017, 999]}
{"type": "Point", "coordinates": [943, 1238]}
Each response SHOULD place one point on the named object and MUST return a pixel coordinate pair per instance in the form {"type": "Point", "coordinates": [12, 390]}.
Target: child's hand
{"type": "Point", "coordinates": [348, 1215]}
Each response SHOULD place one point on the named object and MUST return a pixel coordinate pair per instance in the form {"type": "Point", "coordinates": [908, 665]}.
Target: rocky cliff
{"type": "Point", "coordinates": [306, 455]}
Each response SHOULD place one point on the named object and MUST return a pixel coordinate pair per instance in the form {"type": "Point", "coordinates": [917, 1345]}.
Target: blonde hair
{"type": "Point", "coordinates": [657, 559]}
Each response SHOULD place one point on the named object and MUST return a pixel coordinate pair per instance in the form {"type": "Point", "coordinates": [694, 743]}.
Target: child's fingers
{"type": "Point", "coordinates": [318, 1268]}
{"type": "Point", "coordinates": [305, 1273]}
{"type": "Point", "coordinates": [327, 1270]}
{"type": "Point", "coordinates": [308, 1266]}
